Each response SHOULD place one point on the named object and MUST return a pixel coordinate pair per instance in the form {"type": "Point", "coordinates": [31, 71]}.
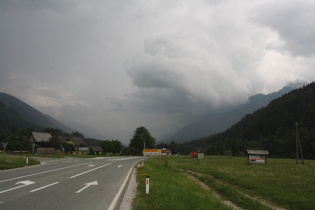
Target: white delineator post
{"type": "Point", "coordinates": [147, 183]}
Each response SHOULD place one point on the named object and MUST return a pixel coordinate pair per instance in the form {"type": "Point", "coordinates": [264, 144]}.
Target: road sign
{"type": "Point", "coordinates": [152, 152]}
{"type": "Point", "coordinates": [4, 144]}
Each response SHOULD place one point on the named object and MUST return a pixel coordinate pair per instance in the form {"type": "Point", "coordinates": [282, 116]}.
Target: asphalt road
{"type": "Point", "coordinates": [71, 183]}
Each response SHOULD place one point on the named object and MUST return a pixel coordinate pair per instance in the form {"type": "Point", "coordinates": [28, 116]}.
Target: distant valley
{"type": "Point", "coordinates": [220, 120]}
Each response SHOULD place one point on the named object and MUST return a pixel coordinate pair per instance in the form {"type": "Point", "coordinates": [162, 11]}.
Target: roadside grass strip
{"type": "Point", "coordinates": [171, 189]}
{"type": "Point", "coordinates": [9, 162]}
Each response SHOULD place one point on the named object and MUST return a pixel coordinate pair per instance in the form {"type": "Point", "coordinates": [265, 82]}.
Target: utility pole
{"type": "Point", "coordinates": [298, 145]}
{"type": "Point", "coordinates": [144, 152]}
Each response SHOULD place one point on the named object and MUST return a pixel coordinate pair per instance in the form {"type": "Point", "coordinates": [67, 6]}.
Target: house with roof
{"type": "Point", "coordinates": [40, 141]}
{"type": "Point", "coordinates": [76, 145]}
{"type": "Point", "coordinates": [96, 150]}
{"type": "Point", "coordinates": [79, 141]}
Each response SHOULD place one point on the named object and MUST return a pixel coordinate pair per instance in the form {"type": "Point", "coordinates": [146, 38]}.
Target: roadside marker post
{"type": "Point", "coordinates": [147, 184]}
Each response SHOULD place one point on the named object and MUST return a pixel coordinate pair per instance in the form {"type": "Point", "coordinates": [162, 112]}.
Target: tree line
{"type": "Point", "coordinates": [18, 140]}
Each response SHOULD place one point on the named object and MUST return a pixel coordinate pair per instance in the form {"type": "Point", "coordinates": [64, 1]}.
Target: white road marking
{"type": "Point", "coordinates": [44, 187]}
{"type": "Point", "coordinates": [100, 158]}
{"type": "Point", "coordinates": [119, 166]}
{"type": "Point", "coordinates": [86, 186]}
{"type": "Point", "coordinates": [24, 184]}
{"type": "Point", "coordinates": [119, 159]}
{"type": "Point", "coordinates": [43, 172]}
{"type": "Point", "coordinates": [89, 170]}
{"type": "Point", "coordinates": [114, 202]}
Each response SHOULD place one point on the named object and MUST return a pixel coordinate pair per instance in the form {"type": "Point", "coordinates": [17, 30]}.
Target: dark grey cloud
{"type": "Point", "coordinates": [293, 21]}
{"type": "Point", "coordinates": [161, 64]}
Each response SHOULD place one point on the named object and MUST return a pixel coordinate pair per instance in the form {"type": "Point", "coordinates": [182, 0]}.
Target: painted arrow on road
{"type": "Point", "coordinates": [87, 185]}
{"type": "Point", "coordinates": [24, 184]}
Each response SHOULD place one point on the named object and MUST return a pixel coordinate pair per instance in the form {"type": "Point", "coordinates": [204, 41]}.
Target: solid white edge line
{"type": "Point", "coordinates": [44, 187]}
{"type": "Point", "coordinates": [114, 202]}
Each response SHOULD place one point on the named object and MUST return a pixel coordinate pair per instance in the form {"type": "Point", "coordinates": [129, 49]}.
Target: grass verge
{"type": "Point", "coordinates": [170, 189]}
{"type": "Point", "coordinates": [8, 162]}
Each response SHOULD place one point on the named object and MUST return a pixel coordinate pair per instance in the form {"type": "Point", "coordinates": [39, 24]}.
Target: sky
{"type": "Point", "coordinates": [118, 65]}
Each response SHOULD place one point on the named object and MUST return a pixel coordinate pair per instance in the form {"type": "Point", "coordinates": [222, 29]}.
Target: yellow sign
{"type": "Point", "coordinates": [152, 152]}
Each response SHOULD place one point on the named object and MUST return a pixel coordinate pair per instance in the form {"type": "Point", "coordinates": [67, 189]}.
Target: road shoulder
{"type": "Point", "coordinates": [130, 192]}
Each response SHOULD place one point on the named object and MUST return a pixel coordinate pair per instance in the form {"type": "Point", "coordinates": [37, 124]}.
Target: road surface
{"type": "Point", "coordinates": [70, 183]}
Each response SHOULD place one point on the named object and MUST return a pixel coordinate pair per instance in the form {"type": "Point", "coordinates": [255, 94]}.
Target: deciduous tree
{"type": "Point", "coordinates": [141, 138]}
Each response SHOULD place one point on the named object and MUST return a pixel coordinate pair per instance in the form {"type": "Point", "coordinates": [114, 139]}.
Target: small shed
{"type": "Point", "coordinates": [96, 150]}
{"type": "Point", "coordinates": [257, 156]}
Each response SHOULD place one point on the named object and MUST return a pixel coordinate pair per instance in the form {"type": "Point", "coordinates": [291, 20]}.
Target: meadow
{"type": "Point", "coordinates": [281, 183]}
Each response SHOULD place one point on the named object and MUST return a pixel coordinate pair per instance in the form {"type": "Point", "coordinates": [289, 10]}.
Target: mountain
{"type": "Point", "coordinates": [87, 131]}
{"type": "Point", "coordinates": [93, 142]}
{"type": "Point", "coordinates": [273, 128]}
{"type": "Point", "coordinates": [10, 119]}
{"type": "Point", "coordinates": [220, 120]}
{"type": "Point", "coordinates": [16, 113]}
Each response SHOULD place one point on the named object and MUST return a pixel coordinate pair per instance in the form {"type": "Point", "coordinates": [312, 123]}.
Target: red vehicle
{"type": "Point", "coordinates": [194, 154]}
{"type": "Point", "coordinates": [166, 151]}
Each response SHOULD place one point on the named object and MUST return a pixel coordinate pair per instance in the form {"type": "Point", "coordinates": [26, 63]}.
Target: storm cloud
{"type": "Point", "coordinates": [118, 65]}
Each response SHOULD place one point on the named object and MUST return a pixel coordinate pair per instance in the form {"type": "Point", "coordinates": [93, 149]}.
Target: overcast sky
{"type": "Point", "coordinates": [118, 65]}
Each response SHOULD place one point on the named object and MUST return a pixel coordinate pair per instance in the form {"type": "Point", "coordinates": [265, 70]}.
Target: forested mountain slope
{"type": "Point", "coordinates": [222, 119]}
{"type": "Point", "coordinates": [272, 127]}
{"type": "Point", "coordinates": [16, 113]}
{"type": "Point", "coordinates": [10, 120]}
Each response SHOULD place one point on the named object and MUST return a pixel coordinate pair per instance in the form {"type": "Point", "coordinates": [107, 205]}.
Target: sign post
{"type": "Point", "coordinates": [147, 184]}
{"type": "Point", "coordinates": [33, 148]}
{"type": "Point", "coordinates": [4, 144]}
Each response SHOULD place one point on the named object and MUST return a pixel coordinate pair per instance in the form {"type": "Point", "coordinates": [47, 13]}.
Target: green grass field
{"type": "Point", "coordinates": [281, 183]}
{"type": "Point", "coordinates": [8, 162]}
